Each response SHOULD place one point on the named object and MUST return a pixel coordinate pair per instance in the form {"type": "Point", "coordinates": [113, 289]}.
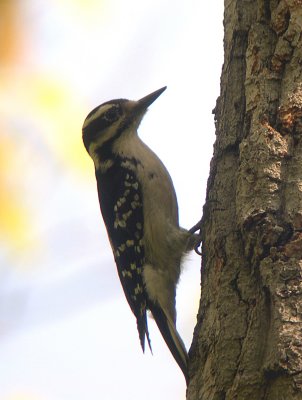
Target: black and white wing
{"type": "Point", "coordinates": [122, 210]}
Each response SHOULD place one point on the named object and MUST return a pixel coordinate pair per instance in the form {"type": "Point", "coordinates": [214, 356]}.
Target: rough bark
{"type": "Point", "coordinates": [248, 338]}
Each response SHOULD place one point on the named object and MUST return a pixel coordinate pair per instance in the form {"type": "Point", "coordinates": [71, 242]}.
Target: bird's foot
{"type": "Point", "coordinates": [196, 227]}
{"type": "Point", "coordinates": [197, 237]}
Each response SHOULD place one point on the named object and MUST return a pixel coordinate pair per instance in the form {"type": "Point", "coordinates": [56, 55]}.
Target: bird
{"type": "Point", "coordinates": [139, 207]}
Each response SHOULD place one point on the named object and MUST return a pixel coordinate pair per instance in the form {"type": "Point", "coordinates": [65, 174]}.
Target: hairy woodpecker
{"type": "Point", "coordinates": [140, 211]}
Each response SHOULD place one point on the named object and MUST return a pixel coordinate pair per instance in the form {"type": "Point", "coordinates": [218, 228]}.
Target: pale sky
{"type": "Point", "coordinates": [67, 332]}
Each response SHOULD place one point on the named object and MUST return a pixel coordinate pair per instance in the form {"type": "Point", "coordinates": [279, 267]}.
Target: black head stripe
{"type": "Point", "coordinates": [117, 103]}
{"type": "Point", "coordinates": [96, 125]}
{"type": "Point", "coordinates": [104, 152]}
{"type": "Point", "coordinates": [91, 131]}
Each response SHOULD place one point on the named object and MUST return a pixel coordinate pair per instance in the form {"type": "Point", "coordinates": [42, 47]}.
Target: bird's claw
{"type": "Point", "coordinates": [194, 229]}
{"type": "Point", "coordinates": [196, 249]}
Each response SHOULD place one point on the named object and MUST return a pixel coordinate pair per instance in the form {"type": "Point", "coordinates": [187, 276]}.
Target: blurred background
{"type": "Point", "coordinates": [66, 330]}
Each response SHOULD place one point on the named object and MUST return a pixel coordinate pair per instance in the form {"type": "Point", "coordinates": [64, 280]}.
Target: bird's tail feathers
{"type": "Point", "coordinates": [142, 327]}
{"type": "Point", "coordinates": [171, 337]}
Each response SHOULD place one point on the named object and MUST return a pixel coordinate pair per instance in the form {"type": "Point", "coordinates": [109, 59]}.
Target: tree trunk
{"type": "Point", "coordinates": [248, 340]}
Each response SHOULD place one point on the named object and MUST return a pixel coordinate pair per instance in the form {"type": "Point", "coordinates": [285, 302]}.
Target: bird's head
{"type": "Point", "coordinates": [108, 121]}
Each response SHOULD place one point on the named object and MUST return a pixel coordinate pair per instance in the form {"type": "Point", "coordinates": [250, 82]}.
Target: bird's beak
{"type": "Point", "coordinates": [145, 102]}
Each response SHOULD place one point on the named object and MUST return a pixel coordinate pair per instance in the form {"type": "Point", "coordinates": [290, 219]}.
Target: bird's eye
{"type": "Point", "coordinates": [112, 114]}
